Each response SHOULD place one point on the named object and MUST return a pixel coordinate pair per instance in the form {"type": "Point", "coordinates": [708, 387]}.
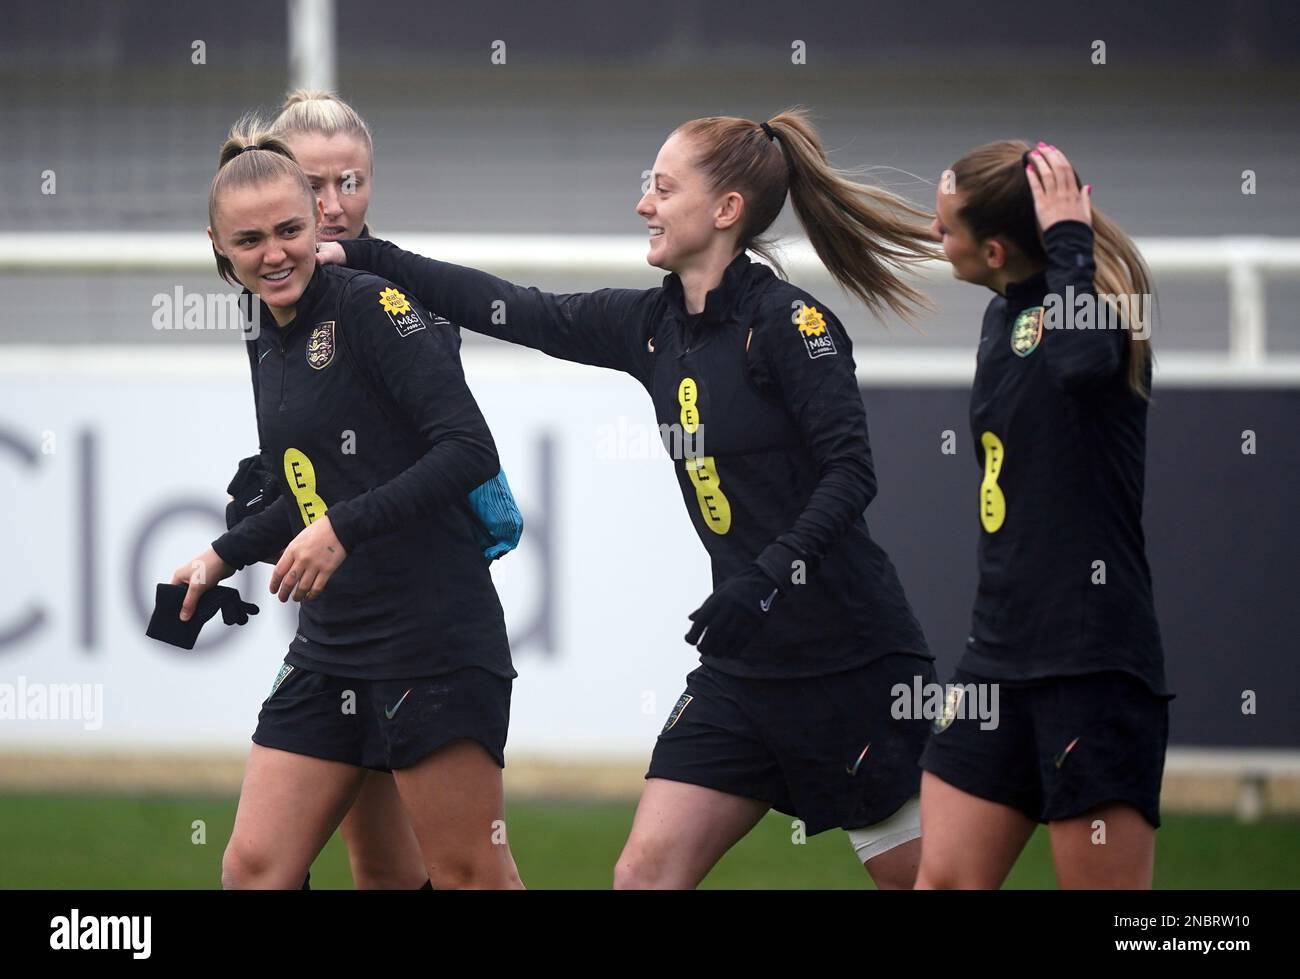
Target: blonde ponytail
{"type": "Point", "coordinates": [865, 235]}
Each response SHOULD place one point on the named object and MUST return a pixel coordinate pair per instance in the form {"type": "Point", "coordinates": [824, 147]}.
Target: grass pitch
{"type": "Point", "coordinates": [118, 842]}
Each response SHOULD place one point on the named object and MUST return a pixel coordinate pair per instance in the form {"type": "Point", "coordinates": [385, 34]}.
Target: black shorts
{"type": "Point", "coordinates": [383, 724]}
{"type": "Point", "coordinates": [825, 749]}
{"type": "Point", "coordinates": [1060, 748]}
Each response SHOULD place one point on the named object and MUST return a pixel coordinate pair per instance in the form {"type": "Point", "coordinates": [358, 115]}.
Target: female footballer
{"type": "Point", "coordinates": [332, 144]}
{"type": "Point", "coordinates": [807, 628]}
{"type": "Point", "coordinates": [400, 663]}
{"type": "Point", "coordinates": [1064, 621]}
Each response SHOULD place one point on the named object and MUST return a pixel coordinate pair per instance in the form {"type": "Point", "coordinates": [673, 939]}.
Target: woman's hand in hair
{"type": "Point", "coordinates": [308, 562]}
{"type": "Point", "coordinates": [330, 253]}
{"type": "Point", "coordinates": [1057, 195]}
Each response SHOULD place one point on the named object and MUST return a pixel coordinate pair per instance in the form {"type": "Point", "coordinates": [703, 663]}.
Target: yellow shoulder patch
{"type": "Point", "coordinates": [812, 330]}
{"type": "Point", "coordinates": [811, 323]}
{"type": "Point", "coordinates": [394, 302]}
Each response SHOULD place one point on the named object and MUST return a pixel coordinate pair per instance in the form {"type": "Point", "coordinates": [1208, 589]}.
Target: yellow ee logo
{"type": "Point", "coordinates": [301, 476]}
{"type": "Point", "coordinates": [993, 505]}
{"type": "Point", "coordinates": [686, 397]}
{"type": "Point", "coordinates": [714, 505]}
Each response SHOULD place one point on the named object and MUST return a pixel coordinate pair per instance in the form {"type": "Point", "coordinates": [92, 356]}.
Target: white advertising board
{"type": "Point", "coordinates": [113, 472]}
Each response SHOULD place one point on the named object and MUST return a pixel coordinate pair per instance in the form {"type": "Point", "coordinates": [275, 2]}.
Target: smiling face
{"type": "Point", "coordinates": [682, 213]}
{"type": "Point", "coordinates": [268, 231]}
{"type": "Point", "coordinates": [339, 170]}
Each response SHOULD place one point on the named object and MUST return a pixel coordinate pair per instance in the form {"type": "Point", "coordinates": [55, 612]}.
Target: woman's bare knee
{"type": "Point", "coordinates": [385, 877]}
{"type": "Point", "coordinates": [640, 867]}
{"type": "Point", "coordinates": [628, 877]}
{"type": "Point", "coordinates": [930, 878]}
{"type": "Point", "coordinates": [679, 833]}
{"type": "Point", "coordinates": [643, 867]}
{"type": "Point", "coordinates": [454, 800]}
{"type": "Point", "coordinates": [465, 873]}
{"type": "Point", "coordinates": [240, 868]}
{"type": "Point", "coordinates": [245, 866]}
{"type": "Point", "coordinates": [289, 805]}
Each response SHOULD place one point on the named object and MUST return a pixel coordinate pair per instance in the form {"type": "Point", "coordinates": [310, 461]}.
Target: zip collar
{"type": "Point", "coordinates": [1027, 292]}
{"type": "Point", "coordinates": [721, 303]}
{"type": "Point", "coordinates": [304, 310]}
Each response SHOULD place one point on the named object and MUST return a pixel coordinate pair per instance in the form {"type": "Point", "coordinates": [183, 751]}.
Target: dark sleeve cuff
{"type": "Point", "coordinates": [231, 548]}
{"type": "Point", "coordinates": [344, 522]}
{"type": "Point", "coordinates": [1069, 233]}
{"type": "Point", "coordinates": [777, 562]}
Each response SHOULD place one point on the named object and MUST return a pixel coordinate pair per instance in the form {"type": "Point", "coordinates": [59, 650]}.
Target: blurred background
{"type": "Point", "coordinates": [515, 137]}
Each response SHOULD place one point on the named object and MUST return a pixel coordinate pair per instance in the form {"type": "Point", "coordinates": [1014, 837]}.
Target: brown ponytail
{"type": "Point", "coordinates": [864, 235]}
{"type": "Point", "coordinates": [269, 158]}
{"type": "Point", "coordinates": [996, 202]}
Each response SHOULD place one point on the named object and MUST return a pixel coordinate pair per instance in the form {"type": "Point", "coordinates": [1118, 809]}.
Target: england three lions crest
{"type": "Point", "coordinates": [320, 345]}
{"type": "Point", "coordinates": [951, 707]}
{"type": "Point", "coordinates": [1027, 331]}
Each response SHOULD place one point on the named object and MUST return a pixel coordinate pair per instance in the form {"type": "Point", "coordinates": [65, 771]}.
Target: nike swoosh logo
{"type": "Point", "coordinates": [390, 712]}
{"type": "Point", "coordinates": [853, 769]}
{"type": "Point", "coordinates": [1060, 759]}
{"type": "Point", "coordinates": [256, 499]}
{"type": "Point", "coordinates": [263, 357]}
{"type": "Point", "coordinates": [766, 604]}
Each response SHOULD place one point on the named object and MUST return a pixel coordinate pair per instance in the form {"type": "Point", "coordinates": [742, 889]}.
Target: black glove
{"type": "Point", "coordinates": [253, 487]}
{"type": "Point", "coordinates": [733, 614]}
{"type": "Point", "coordinates": [166, 624]}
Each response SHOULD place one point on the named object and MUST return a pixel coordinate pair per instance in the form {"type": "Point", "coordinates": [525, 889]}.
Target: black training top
{"type": "Point", "coordinates": [758, 404]}
{"type": "Point", "coordinates": [1064, 586]}
{"type": "Point", "coordinates": [257, 471]}
{"type": "Point", "coordinates": [364, 412]}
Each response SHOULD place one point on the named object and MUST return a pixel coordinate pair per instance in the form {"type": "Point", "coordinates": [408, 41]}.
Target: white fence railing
{"type": "Point", "coordinates": [1251, 768]}
{"type": "Point", "coordinates": [1245, 263]}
